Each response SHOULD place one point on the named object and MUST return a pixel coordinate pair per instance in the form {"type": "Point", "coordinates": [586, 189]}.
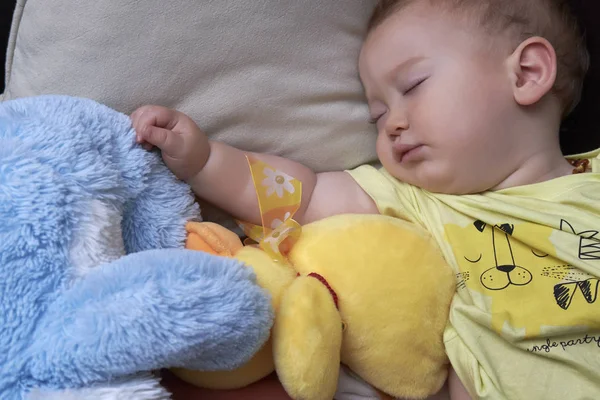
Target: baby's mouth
{"type": "Point", "coordinates": [406, 152]}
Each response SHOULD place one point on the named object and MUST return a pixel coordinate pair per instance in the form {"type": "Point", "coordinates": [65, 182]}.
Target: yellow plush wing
{"type": "Point", "coordinates": [307, 339]}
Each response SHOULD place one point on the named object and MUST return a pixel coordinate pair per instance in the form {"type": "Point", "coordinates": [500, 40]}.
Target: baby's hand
{"type": "Point", "coordinates": [185, 148]}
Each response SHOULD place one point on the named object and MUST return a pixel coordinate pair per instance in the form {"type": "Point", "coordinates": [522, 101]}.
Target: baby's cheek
{"type": "Point", "coordinates": [434, 174]}
{"type": "Point", "coordinates": [382, 144]}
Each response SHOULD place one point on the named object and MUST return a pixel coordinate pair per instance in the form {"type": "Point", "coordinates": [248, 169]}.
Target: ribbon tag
{"type": "Point", "coordinates": [279, 196]}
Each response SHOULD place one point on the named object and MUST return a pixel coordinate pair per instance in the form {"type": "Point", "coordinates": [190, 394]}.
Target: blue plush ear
{"type": "Point", "coordinates": [149, 310]}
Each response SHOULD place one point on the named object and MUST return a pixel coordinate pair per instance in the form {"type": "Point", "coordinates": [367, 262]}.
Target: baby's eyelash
{"type": "Point", "coordinates": [415, 85]}
{"type": "Point", "coordinates": [374, 120]}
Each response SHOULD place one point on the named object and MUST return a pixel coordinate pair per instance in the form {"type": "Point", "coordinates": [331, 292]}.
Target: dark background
{"type": "Point", "coordinates": [6, 11]}
{"type": "Point", "coordinates": [579, 132]}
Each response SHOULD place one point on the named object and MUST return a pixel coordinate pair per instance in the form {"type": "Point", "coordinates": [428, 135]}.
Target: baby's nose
{"type": "Point", "coordinates": [396, 124]}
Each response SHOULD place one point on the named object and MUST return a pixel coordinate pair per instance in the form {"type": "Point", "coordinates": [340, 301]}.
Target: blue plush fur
{"type": "Point", "coordinates": [95, 288]}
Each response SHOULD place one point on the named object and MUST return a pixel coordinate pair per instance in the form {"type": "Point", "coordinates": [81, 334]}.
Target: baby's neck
{"type": "Point", "coordinates": [536, 155]}
{"type": "Point", "coordinates": [539, 167]}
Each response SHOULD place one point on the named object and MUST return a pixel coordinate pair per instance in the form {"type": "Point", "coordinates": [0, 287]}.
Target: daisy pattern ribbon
{"type": "Point", "coordinates": [279, 197]}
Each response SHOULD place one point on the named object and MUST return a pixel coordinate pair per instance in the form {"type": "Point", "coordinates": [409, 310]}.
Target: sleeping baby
{"type": "Point", "coordinates": [468, 97]}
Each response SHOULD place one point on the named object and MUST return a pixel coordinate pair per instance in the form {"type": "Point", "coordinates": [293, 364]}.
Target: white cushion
{"type": "Point", "coordinates": [275, 76]}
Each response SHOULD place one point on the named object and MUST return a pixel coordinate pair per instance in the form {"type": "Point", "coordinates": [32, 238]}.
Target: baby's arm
{"type": "Point", "coordinates": [226, 181]}
{"type": "Point", "coordinates": [456, 388]}
{"type": "Point", "coordinates": [220, 174]}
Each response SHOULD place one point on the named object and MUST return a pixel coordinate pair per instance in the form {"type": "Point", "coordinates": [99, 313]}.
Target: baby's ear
{"type": "Point", "coordinates": [533, 69]}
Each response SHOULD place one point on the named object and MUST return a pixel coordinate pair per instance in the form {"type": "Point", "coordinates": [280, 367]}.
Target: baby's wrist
{"type": "Point", "coordinates": [204, 159]}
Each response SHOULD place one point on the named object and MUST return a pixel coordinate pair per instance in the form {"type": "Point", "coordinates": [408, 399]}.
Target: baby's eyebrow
{"type": "Point", "coordinates": [404, 66]}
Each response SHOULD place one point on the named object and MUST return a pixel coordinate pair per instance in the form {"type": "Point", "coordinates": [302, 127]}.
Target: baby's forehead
{"type": "Point", "coordinates": [420, 26]}
{"type": "Point", "coordinates": [481, 16]}
{"type": "Point", "coordinates": [429, 27]}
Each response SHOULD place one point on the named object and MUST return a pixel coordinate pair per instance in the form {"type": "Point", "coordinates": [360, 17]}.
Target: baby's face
{"type": "Point", "coordinates": [443, 101]}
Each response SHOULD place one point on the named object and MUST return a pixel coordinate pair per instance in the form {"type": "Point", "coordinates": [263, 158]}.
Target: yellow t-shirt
{"type": "Point", "coordinates": [525, 320]}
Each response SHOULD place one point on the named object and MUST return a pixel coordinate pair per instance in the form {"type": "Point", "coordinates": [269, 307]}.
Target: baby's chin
{"type": "Point", "coordinates": [430, 177]}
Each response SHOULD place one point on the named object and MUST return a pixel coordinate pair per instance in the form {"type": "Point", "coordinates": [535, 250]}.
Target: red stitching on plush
{"type": "Point", "coordinates": [324, 282]}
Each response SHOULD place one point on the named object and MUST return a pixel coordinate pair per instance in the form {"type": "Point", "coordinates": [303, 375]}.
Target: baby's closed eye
{"type": "Point", "coordinates": [413, 84]}
{"type": "Point", "coordinates": [377, 111]}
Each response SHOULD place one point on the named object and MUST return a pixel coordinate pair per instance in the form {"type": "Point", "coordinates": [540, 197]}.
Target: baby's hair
{"type": "Point", "coordinates": [522, 19]}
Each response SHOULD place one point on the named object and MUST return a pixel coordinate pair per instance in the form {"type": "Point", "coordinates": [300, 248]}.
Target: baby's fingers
{"type": "Point", "coordinates": [155, 115]}
{"type": "Point", "coordinates": [169, 142]}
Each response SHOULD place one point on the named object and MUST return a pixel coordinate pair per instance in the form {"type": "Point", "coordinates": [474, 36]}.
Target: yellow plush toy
{"type": "Point", "coordinates": [369, 291]}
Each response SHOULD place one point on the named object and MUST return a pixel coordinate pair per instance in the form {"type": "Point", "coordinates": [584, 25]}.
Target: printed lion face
{"type": "Point", "coordinates": [513, 271]}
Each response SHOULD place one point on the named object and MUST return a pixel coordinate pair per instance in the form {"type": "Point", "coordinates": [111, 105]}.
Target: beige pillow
{"type": "Point", "coordinates": [275, 76]}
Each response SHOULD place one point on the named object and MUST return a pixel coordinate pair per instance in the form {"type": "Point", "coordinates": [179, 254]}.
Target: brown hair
{"type": "Point", "coordinates": [550, 19]}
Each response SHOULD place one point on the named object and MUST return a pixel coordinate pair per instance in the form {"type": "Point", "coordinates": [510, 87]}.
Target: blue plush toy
{"type": "Point", "coordinates": [88, 305]}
